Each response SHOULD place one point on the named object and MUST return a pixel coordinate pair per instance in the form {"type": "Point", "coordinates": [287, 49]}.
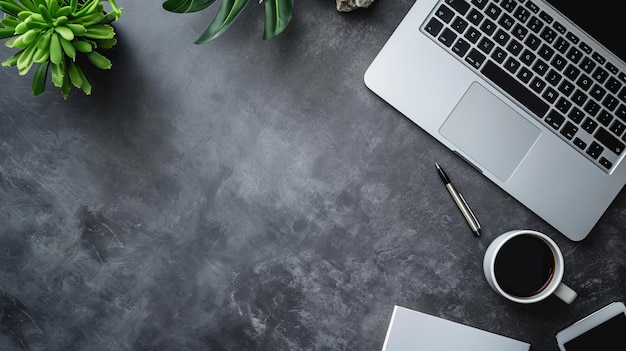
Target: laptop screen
{"type": "Point", "coordinates": [602, 19]}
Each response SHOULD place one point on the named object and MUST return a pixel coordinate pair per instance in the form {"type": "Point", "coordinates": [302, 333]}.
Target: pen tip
{"type": "Point", "coordinates": [437, 165]}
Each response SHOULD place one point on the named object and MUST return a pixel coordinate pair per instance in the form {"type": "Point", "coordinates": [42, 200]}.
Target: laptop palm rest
{"type": "Point", "coordinates": [490, 132]}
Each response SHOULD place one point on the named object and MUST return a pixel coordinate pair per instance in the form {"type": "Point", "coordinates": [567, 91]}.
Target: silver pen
{"type": "Point", "coordinates": [460, 202]}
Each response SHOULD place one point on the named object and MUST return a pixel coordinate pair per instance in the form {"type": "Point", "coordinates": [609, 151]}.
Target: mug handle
{"type": "Point", "coordinates": [565, 293]}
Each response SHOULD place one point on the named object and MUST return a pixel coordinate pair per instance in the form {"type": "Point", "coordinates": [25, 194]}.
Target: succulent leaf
{"type": "Point", "coordinates": [52, 33]}
{"type": "Point", "coordinates": [39, 80]}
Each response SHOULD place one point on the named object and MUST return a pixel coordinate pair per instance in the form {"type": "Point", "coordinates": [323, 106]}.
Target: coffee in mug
{"type": "Point", "coordinates": [526, 266]}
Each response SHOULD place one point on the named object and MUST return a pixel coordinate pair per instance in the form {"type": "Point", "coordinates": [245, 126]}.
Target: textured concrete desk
{"type": "Point", "coordinates": [251, 195]}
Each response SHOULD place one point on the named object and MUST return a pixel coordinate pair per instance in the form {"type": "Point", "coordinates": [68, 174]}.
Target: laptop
{"type": "Point", "coordinates": [411, 330]}
{"type": "Point", "coordinates": [532, 93]}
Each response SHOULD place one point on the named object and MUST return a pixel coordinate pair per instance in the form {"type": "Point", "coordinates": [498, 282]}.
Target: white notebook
{"type": "Point", "coordinates": [416, 331]}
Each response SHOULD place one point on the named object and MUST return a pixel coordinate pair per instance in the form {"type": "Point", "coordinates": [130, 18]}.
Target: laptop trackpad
{"type": "Point", "coordinates": [489, 131]}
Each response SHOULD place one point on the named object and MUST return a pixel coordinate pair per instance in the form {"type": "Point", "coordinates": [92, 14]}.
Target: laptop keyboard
{"type": "Point", "coordinates": [550, 70]}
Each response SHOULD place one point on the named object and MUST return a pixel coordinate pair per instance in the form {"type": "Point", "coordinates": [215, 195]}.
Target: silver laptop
{"type": "Point", "coordinates": [522, 92]}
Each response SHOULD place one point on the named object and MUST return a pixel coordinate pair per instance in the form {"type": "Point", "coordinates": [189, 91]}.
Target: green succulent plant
{"type": "Point", "coordinates": [53, 34]}
{"type": "Point", "coordinates": [278, 13]}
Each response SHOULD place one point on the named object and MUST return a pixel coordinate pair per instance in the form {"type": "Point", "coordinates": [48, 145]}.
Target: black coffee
{"type": "Point", "coordinates": [524, 266]}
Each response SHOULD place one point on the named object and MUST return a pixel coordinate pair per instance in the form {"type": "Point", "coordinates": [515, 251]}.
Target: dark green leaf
{"type": "Point", "coordinates": [6, 32]}
{"type": "Point", "coordinates": [278, 13]}
{"type": "Point", "coordinates": [185, 6]}
{"type": "Point", "coordinates": [11, 8]}
{"type": "Point", "coordinates": [39, 81]}
{"type": "Point", "coordinates": [66, 87]}
{"type": "Point", "coordinates": [228, 12]}
{"type": "Point", "coordinates": [29, 4]}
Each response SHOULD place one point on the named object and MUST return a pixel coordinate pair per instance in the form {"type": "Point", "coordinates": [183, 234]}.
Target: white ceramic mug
{"type": "Point", "coordinates": [526, 266]}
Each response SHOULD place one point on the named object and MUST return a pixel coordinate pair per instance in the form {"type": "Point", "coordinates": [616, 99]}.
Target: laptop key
{"type": "Point", "coordinates": [514, 47]}
{"type": "Point", "coordinates": [493, 11]}
{"type": "Point", "coordinates": [527, 57]}
{"type": "Point", "coordinates": [501, 37]}
{"type": "Point", "coordinates": [548, 35]}
{"type": "Point", "coordinates": [566, 88]}
{"type": "Point", "coordinates": [607, 139]}
{"type": "Point", "coordinates": [488, 27]}
{"type": "Point", "coordinates": [611, 67]}
{"type": "Point", "coordinates": [561, 45]}
{"type": "Point", "coordinates": [600, 74]}
{"type": "Point", "coordinates": [611, 142]}
{"type": "Point", "coordinates": [535, 24]}
{"type": "Point", "coordinates": [589, 125]}
{"type": "Point", "coordinates": [475, 17]}
{"type": "Point", "coordinates": [572, 37]}
{"type": "Point", "coordinates": [594, 150]}
{"type": "Point", "coordinates": [569, 130]}
{"type": "Point", "coordinates": [587, 65]}
{"type": "Point", "coordinates": [584, 82]}
{"type": "Point", "coordinates": [532, 42]}
{"type": "Point", "coordinates": [553, 77]}
{"type": "Point", "coordinates": [472, 35]}
{"type": "Point", "coordinates": [592, 108]}
{"type": "Point", "coordinates": [475, 58]}
{"type": "Point", "coordinates": [597, 92]}
{"type": "Point", "coordinates": [461, 47]}
{"type": "Point", "coordinates": [617, 128]}
{"type": "Point", "coordinates": [604, 118]}
{"type": "Point", "coordinates": [532, 7]}
{"type": "Point", "coordinates": [571, 72]}
{"type": "Point", "coordinates": [601, 60]}
{"type": "Point", "coordinates": [499, 55]}
{"type": "Point", "coordinates": [508, 5]}
{"type": "Point", "coordinates": [522, 14]}
{"type": "Point", "coordinates": [447, 37]}
{"type": "Point", "coordinates": [486, 45]}
{"type": "Point", "coordinates": [546, 52]}
{"type": "Point", "coordinates": [586, 48]}
{"type": "Point", "coordinates": [537, 85]}
{"type": "Point", "coordinates": [433, 27]}
{"type": "Point", "coordinates": [613, 85]}
{"type": "Point", "coordinates": [519, 32]}
{"type": "Point", "coordinates": [545, 17]}
{"type": "Point", "coordinates": [605, 163]}
{"type": "Point", "coordinates": [511, 65]}
{"type": "Point", "coordinates": [559, 27]}
{"type": "Point", "coordinates": [459, 6]}
{"type": "Point", "coordinates": [576, 115]}
{"type": "Point", "coordinates": [506, 21]}
{"type": "Point", "coordinates": [444, 13]}
{"type": "Point", "coordinates": [540, 67]}
{"type": "Point", "coordinates": [574, 55]}
{"type": "Point", "coordinates": [480, 3]}
{"type": "Point", "coordinates": [550, 95]}
{"type": "Point", "coordinates": [579, 97]}
{"type": "Point", "coordinates": [559, 62]}
{"type": "Point", "coordinates": [524, 75]}
{"type": "Point", "coordinates": [554, 119]}
{"type": "Point", "coordinates": [563, 105]}
{"type": "Point", "coordinates": [459, 25]}
{"type": "Point", "coordinates": [514, 88]}
{"type": "Point", "coordinates": [610, 102]}
{"type": "Point", "coordinates": [580, 143]}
